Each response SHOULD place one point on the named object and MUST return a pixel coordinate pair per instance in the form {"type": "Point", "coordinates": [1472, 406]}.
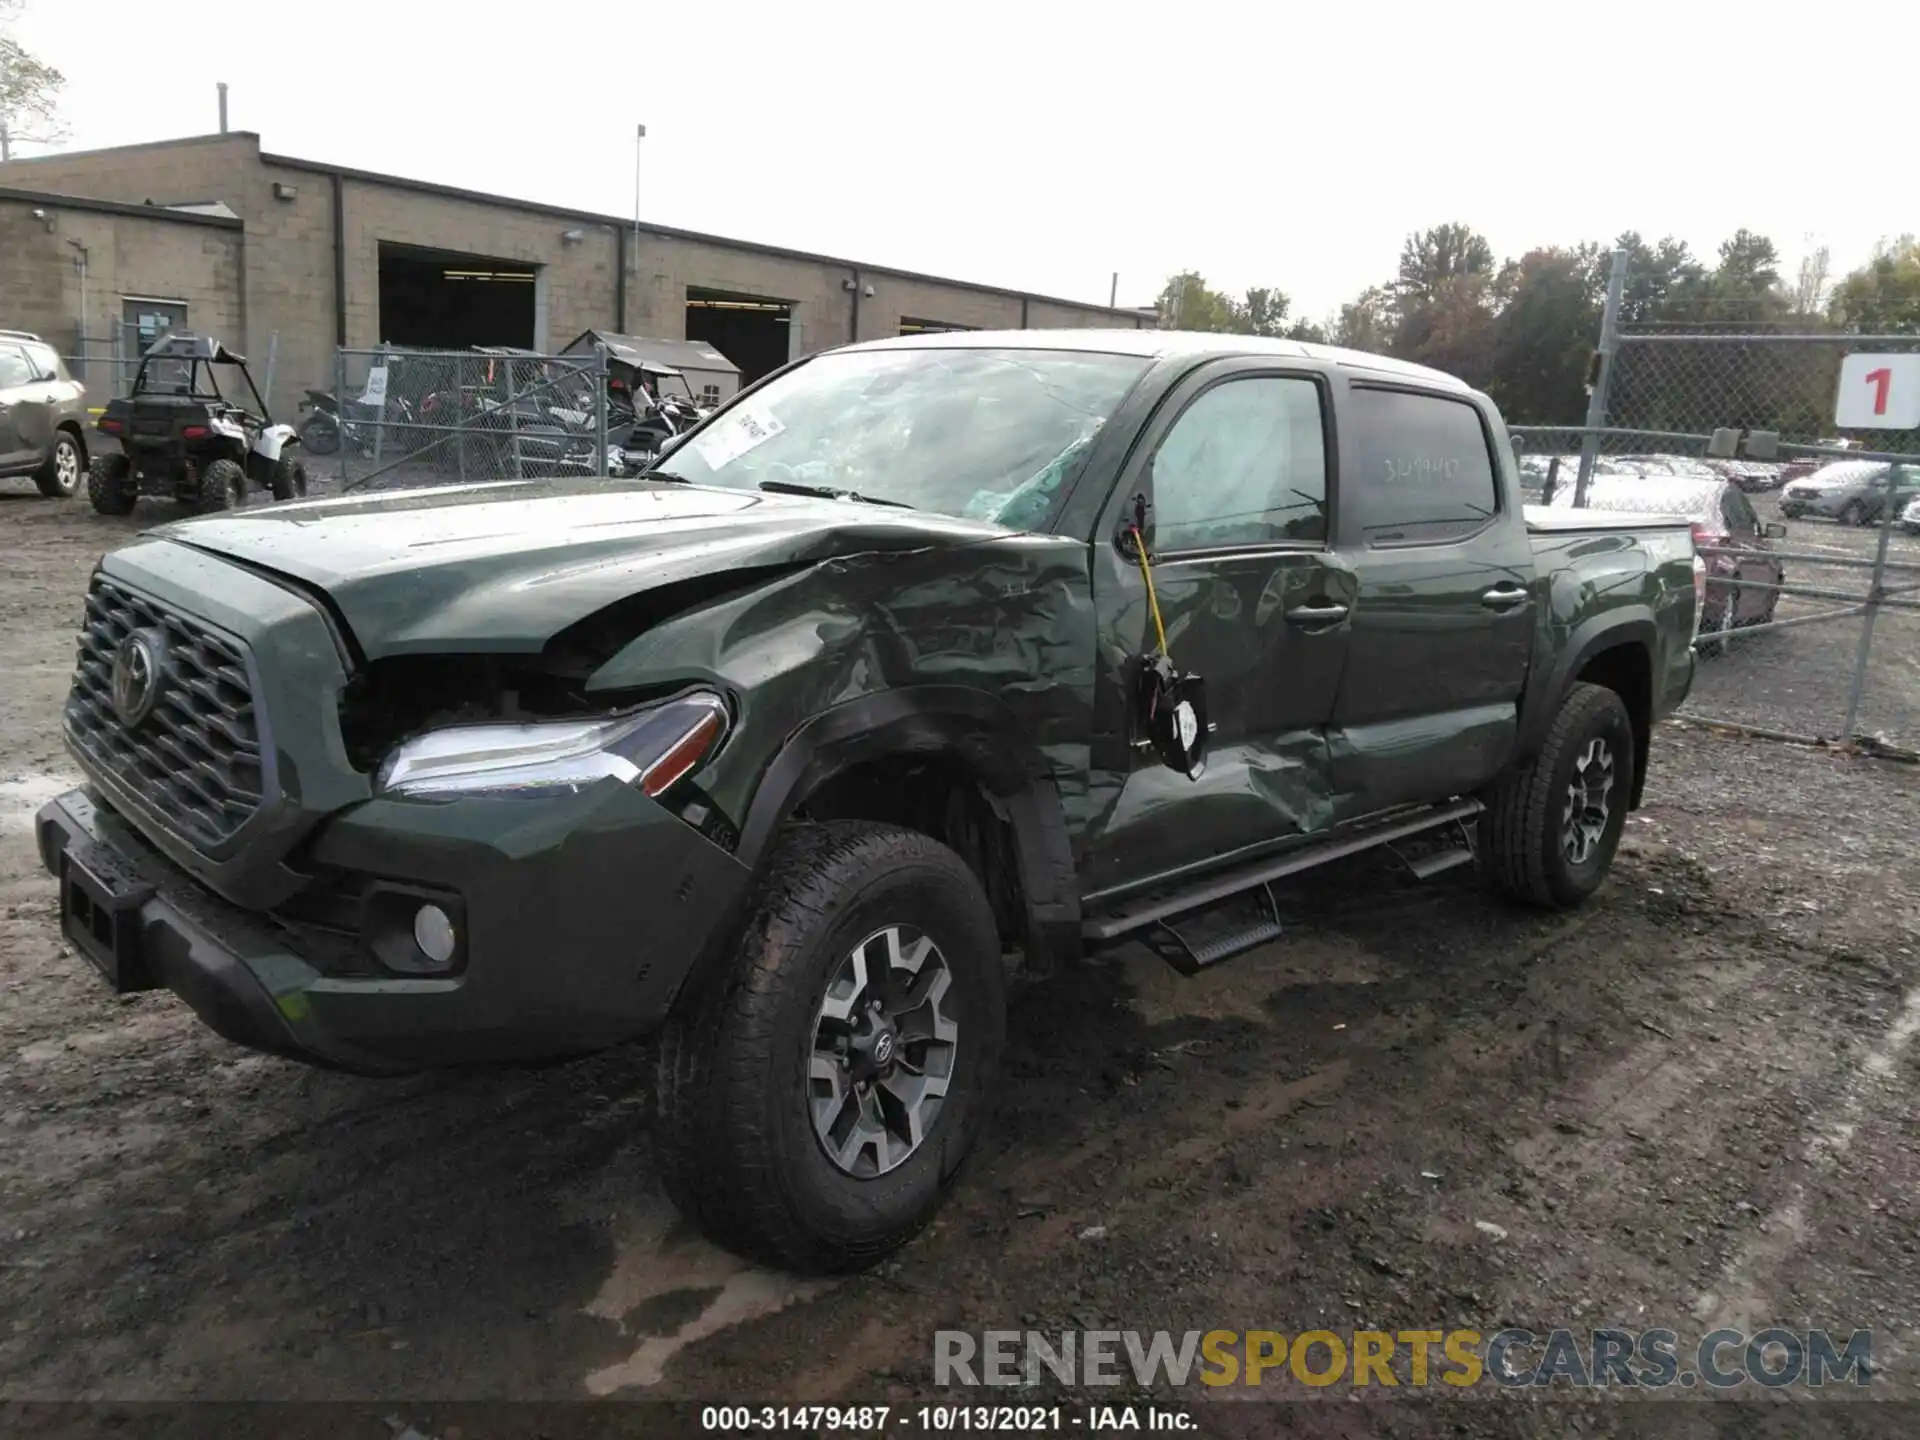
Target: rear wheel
{"type": "Point", "coordinates": [60, 476]}
{"type": "Point", "coordinates": [223, 486]}
{"type": "Point", "coordinates": [817, 1098]}
{"type": "Point", "coordinates": [1551, 826]}
{"type": "Point", "coordinates": [1853, 513]}
{"type": "Point", "coordinates": [289, 479]}
{"type": "Point", "coordinates": [110, 486]}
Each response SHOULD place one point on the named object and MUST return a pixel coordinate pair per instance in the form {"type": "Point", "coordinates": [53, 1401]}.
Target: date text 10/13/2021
{"type": "Point", "coordinates": [944, 1419]}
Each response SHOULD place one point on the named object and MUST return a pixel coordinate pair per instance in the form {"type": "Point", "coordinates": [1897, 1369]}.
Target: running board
{"type": "Point", "coordinates": [1158, 907]}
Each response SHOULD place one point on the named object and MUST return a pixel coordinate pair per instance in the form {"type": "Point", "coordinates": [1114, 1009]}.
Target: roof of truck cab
{"type": "Point", "coordinates": [1166, 344]}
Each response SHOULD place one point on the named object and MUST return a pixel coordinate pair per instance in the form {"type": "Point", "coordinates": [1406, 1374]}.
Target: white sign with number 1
{"type": "Point", "coordinates": [1879, 392]}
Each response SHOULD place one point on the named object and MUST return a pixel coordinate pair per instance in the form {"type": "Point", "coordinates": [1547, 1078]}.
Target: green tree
{"type": "Point", "coordinates": [1365, 323]}
{"type": "Point", "coordinates": [1883, 295]}
{"type": "Point", "coordinates": [29, 93]}
{"type": "Point", "coordinates": [1442, 301]}
{"type": "Point", "coordinates": [1658, 275]}
{"type": "Point", "coordinates": [1191, 304]}
{"type": "Point", "coordinates": [1548, 317]}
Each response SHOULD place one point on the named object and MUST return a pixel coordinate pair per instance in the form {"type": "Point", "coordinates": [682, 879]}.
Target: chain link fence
{"type": "Point", "coordinates": [398, 419]}
{"type": "Point", "coordinates": [1811, 628]}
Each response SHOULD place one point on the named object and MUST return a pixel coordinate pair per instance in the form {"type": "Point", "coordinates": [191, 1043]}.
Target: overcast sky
{"type": "Point", "coordinates": [1043, 145]}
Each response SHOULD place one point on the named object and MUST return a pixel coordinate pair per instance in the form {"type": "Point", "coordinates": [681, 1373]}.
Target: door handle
{"type": "Point", "coordinates": [1504, 597]}
{"type": "Point", "coordinates": [1324, 612]}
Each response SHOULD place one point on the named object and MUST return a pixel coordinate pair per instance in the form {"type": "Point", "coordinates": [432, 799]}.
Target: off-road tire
{"type": "Point", "coordinates": [738, 1151]}
{"type": "Point", "coordinates": [110, 487]}
{"type": "Point", "coordinates": [1853, 513]}
{"type": "Point", "coordinates": [223, 486]}
{"type": "Point", "coordinates": [1520, 841]}
{"type": "Point", "coordinates": [60, 476]}
{"type": "Point", "coordinates": [289, 479]}
{"type": "Point", "coordinates": [321, 435]}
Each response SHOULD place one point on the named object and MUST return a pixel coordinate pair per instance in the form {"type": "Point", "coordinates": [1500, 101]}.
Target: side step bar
{"type": "Point", "coordinates": [1157, 908]}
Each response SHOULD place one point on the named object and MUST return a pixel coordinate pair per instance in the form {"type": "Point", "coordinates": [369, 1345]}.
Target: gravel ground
{"type": "Point", "coordinates": [1690, 1104]}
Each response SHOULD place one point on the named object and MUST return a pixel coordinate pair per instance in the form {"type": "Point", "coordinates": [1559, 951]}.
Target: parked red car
{"type": "Point", "coordinates": [1741, 555]}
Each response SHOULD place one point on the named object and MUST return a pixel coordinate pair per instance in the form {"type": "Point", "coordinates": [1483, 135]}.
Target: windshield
{"type": "Point", "coordinates": [672, 386]}
{"type": "Point", "coordinates": [980, 434]}
{"type": "Point", "coordinates": [178, 375]}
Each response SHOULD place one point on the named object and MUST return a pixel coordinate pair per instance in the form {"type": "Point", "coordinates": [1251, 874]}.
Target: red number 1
{"type": "Point", "coordinates": [1881, 380]}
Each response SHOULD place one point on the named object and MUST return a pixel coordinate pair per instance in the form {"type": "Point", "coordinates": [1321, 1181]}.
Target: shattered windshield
{"type": "Point", "coordinates": [981, 434]}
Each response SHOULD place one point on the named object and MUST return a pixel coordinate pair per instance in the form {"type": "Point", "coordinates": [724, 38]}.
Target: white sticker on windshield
{"type": "Point", "coordinates": [739, 432]}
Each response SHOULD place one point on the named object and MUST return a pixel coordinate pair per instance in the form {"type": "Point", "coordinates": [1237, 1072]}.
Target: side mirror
{"type": "Point", "coordinates": [1135, 525]}
{"type": "Point", "coordinates": [668, 445]}
{"type": "Point", "coordinates": [1774, 530]}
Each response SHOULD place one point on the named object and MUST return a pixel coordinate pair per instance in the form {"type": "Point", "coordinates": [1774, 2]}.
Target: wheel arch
{"type": "Point", "coordinates": [951, 761]}
{"type": "Point", "coordinates": [78, 431]}
{"type": "Point", "coordinates": [1613, 652]}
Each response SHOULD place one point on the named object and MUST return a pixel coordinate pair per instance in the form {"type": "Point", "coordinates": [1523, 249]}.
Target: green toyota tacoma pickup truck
{"type": "Point", "coordinates": [916, 656]}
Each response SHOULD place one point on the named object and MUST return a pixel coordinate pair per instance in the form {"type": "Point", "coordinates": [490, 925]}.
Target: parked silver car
{"type": "Point", "coordinates": [1854, 492]}
{"type": "Point", "coordinates": [1910, 517]}
{"type": "Point", "coordinates": [43, 416]}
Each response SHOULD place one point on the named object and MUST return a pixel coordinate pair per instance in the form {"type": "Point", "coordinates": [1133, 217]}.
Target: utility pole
{"type": "Point", "coordinates": [223, 107]}
{"type": "Point", "coordinates": [1113, 292]}
{"type": "Point", "coordinates": [639, 134]}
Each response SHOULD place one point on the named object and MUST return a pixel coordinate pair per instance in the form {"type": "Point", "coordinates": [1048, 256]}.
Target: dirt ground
{"type": "Point", "coordinates": [1689, 1105]}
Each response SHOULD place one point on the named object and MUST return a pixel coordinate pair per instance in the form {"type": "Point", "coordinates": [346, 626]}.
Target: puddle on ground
{"type": "Point", "coordinates": [669, 1288]}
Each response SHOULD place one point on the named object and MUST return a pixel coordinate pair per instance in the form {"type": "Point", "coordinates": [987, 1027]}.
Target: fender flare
{"type": "Point", "coordinates": [956, 721]}
{"type": "Point", "coordinates": [272, 441]}
{"type": "Point", "coordinates": [1549, 688]}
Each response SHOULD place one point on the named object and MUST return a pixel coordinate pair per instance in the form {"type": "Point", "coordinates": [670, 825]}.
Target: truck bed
{"type": "Point", "coordinates": [1554, 520]}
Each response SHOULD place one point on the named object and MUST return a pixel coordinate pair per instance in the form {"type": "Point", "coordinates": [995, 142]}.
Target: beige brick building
{"type": "Point", "coordinates": [323, 257]}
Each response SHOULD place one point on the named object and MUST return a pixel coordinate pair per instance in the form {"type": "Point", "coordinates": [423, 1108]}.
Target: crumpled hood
{"type": "Point", "coordinates": [503, 568]}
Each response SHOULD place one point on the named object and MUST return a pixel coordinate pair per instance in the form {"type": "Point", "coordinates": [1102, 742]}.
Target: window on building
{"type": "Point", "coordinates": [710, 394]}
{"type": "Point", "coordinates": [1424, 470]}
{"type": "Point", "coordinates": [1245, 464]}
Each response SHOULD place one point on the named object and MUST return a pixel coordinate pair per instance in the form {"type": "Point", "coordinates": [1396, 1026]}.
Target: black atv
{"type": "Point", "coordinates": [181, 436]}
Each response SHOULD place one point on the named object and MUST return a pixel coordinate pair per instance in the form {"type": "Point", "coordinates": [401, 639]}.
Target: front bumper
{"type": "Point", "coordinates": [582, 916]}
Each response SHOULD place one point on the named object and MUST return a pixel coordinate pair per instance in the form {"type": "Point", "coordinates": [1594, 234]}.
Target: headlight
{"type": "Point", "coordinates": [650, 748]}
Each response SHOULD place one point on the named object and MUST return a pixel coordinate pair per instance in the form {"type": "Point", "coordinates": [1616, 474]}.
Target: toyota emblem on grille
{"type": "Point", "coordinates": [136, 677]}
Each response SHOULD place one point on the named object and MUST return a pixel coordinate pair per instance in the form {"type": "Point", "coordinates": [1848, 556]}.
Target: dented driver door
{"type": "Point", "coordinates": [1236, 470]}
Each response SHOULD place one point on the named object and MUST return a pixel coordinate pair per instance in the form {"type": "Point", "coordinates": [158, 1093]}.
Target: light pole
{"type": "Point", "coordinates": [639, 134]}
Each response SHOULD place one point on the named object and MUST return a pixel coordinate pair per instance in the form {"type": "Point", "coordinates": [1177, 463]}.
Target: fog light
{"type": "Point", "coordinates": [433, 932]}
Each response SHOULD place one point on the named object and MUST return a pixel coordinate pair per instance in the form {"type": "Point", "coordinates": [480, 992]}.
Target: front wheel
{"type": "Point", "coordinates": [223, 486]}
{"type": "Point", "coordinates": [321, 434]}
{"type": "Point", "coordinates": [817, 1098]}
{"type": "Point", "coordinates": [1853, 513]}
{"type": "Point", "coordinates": [1552, 825]}
{"type": "Point", "coordinates": [60, 476]}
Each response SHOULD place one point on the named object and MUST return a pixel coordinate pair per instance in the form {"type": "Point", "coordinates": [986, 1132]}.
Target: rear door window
{"type": "Point", "coordinates": [14, 369]}
{"type": "Point", "coordinates": [42, 361]}
{"type": "Point", "coordinates": [1425, 472]}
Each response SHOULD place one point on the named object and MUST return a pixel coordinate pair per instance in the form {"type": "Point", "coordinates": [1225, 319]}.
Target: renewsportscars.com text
{"type": "Point", "coordinates": [1772, 1358]}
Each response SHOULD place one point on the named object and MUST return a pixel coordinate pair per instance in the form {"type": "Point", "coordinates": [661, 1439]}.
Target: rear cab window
{"type": "Point", "coordinates": [1424, 471]}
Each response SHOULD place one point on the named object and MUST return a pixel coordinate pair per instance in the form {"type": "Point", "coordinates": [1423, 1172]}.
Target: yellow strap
{"type": "Point", "coordinates": [1146, 574]}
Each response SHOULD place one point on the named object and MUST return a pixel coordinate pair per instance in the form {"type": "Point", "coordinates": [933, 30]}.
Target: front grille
{"type": "Point", "coordinates": [195, 760]}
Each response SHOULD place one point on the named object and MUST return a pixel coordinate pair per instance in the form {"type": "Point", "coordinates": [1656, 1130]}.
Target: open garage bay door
{"type": "Point", "coordinates": [444, 300]}
{"type": "Point", "coordinates": [750, 330]}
